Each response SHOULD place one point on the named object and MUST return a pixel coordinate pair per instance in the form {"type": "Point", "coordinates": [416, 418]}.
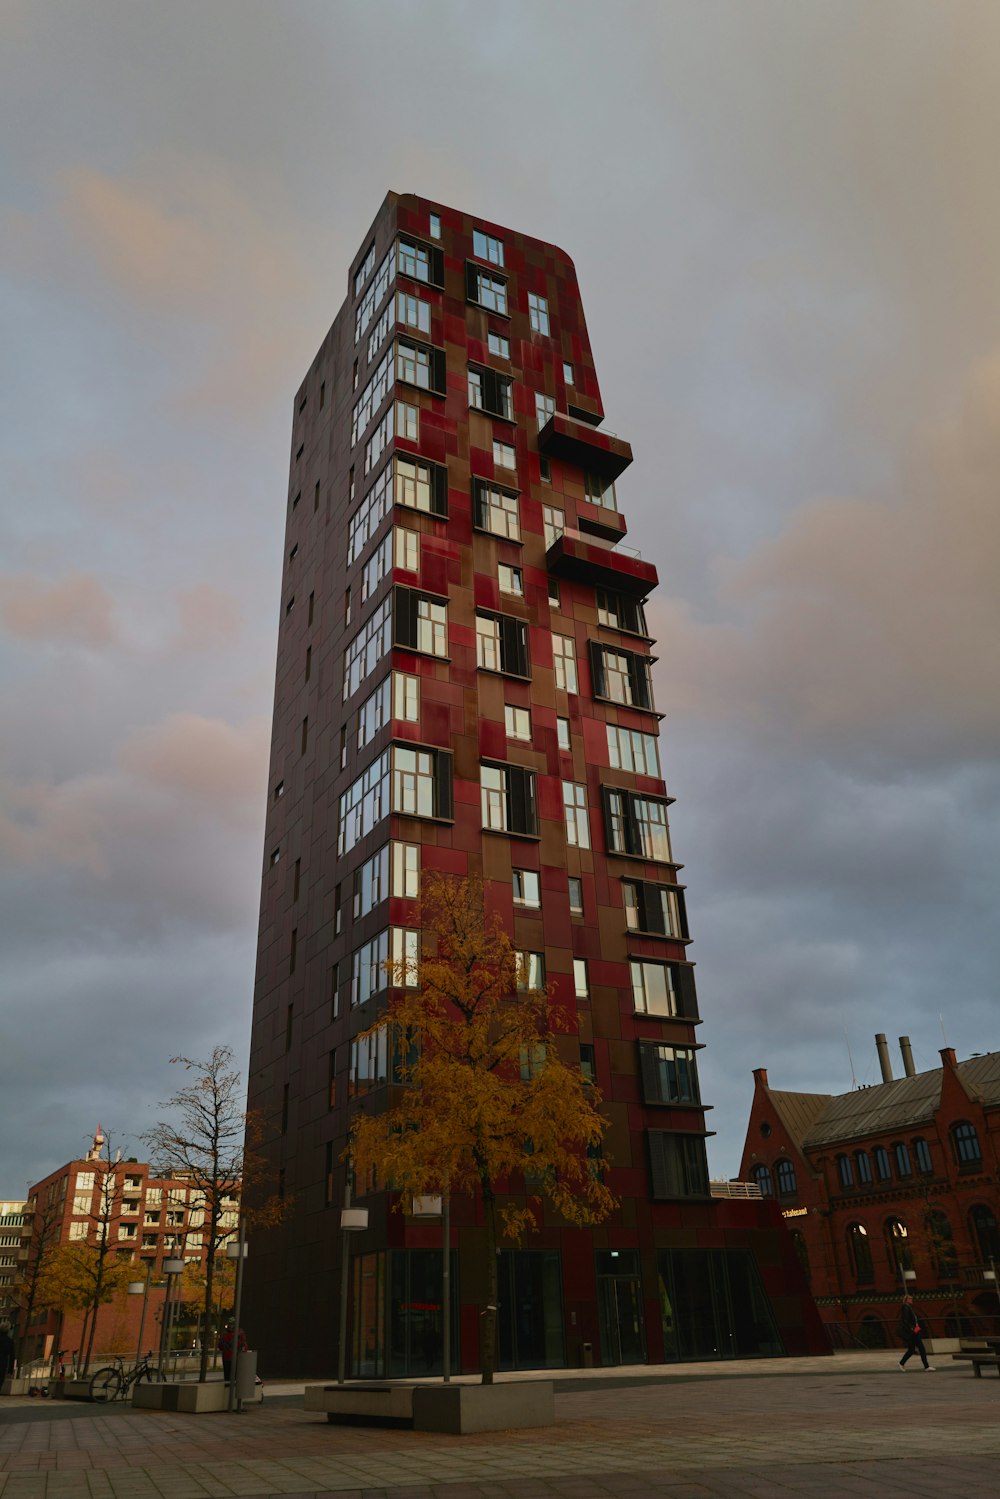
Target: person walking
{"type": "Point", "coordinates": [232, 1338]}
{"type": "Point", "coordinates": [911, 1331]}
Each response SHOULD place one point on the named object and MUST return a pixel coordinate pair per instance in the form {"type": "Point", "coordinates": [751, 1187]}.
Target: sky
{"type": "Point", "coordinates": [785, 217]}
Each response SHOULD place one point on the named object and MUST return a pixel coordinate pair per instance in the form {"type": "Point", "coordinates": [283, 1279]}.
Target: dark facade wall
{"type": "Point", "coordinates": [302, 1006]}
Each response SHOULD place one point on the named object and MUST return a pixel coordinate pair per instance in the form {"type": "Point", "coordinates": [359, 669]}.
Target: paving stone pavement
{"type": "Point", "coordinates": [843, 1426]}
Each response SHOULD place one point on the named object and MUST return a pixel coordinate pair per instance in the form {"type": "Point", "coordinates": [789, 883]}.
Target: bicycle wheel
{"type": "Point", "coordinates": [151, 1374]}
{"type": "Point", "coordinates": [106, 1385]}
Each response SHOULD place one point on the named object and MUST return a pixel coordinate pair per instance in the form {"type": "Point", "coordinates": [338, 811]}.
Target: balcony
{"type": "Point", "coordinates": [576, 442]}
{"type": "Point", "coordinates": [735, 1189]}
{"type": "Point", "coordinates": [588, 559]}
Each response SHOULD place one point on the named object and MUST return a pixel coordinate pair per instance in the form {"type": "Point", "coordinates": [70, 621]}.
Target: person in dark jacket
{"type": "Point", "coordinates": [232, 1338]}
{"type": "Point", "coordinates": [911, 1331]}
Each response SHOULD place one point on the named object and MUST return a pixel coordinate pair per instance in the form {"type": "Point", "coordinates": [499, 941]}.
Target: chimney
{"type": "Point", "coordinates": [906, 1051]}
{"type": "Point", "coordinates": [883, 1057]}
{"type": "Point", "coordinates": [948, 1056]}
{"type": "Point", "coordinates": [760, 1076]}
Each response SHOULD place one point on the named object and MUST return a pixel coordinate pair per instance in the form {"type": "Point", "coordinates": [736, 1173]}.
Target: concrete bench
{"type": "Point", "coordinates": [361, 1402]}
{"type": "Point", "coordinates": [980, 1359]}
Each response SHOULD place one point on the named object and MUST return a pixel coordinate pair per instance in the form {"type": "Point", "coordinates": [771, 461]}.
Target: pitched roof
{"type": "Point", "coordinates": [819, 1119]}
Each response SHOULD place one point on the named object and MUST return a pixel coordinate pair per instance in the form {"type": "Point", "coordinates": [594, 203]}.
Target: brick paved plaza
{"type": "Point", "coordinates": [849, 1425]}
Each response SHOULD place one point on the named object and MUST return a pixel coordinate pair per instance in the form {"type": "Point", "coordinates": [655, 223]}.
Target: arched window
{"type": "Point", "coordinates": [882, 1168]}
{"type": "Point", "coordinates": [922, 1152]}
{"type": "Point", "coordinates": [941, 1244]}
{"type": "Point", "coordinates": [802, 1250]}
{"type": "Point", "coordinates": [762, 1176]}
{"type": "Point", "coordinates": [861, 1254]}
{"type": "Point", "coordinates": [902, 1156]}
{"type": "Point", "coordinates": [863, 1162]}
{"type": "Point", "coordinates": [785, 1173]}
{"type": "Point", "coordinates": [984, 1231]}
{"type": "Point", "coordinates": [897, 1247]}
{"type": "Point", "coordinates": [845, 1171]}
{"type": "Point", "coordinates": [968, 1151]}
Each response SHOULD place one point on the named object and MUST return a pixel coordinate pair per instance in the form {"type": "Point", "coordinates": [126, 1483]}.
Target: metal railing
{"type": "Point", "coordinates": [734, 1189]}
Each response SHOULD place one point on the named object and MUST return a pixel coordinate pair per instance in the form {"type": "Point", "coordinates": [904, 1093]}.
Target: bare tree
{"type": "Point", "coordinates": [205, 1145]}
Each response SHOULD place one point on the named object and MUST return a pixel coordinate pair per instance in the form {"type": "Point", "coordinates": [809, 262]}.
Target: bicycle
{"type": "Point", "coordinates": [112, 1382]}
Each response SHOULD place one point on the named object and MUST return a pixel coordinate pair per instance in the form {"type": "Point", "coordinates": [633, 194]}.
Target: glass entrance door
{"type": "Point", "coordinates": [620, 1305]}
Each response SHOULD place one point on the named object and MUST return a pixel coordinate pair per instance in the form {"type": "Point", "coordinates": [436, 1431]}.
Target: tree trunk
{"type": "Point", "coordinates": [209, 1290]}
{"type": "Point", "coordinates": [488, 1320]}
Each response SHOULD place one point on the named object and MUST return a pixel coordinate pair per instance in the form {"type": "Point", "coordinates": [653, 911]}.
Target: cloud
{"type": "Point", "coordinates": [209, 618]}
{"type": "Point", "coordinates": [214, 762]}
{"type": "Point", "coordinates": [77, 609]}
{"type": "Point", "coordinates": [865, 626]}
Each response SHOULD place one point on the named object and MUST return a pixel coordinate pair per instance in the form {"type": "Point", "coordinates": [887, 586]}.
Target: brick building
{"type": "Point", "coordinates": [464, 685]}
{"type": "Point", "coordinates": [889, 1186]}
{"type": "Point", "coordinates": [14, 1230]}
{"type": "Point", "coordinates": [147, 1219]}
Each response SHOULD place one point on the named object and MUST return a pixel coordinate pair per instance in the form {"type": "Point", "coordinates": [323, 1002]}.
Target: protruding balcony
{"type": "Point", "coordinates": [577, 442]}
{"type": "Point", "coordinates": [589, 560]}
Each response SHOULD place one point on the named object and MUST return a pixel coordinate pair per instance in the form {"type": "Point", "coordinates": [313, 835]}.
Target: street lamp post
{"type": "Point", "coordinates": [352, 1221]}
{"type": "Point", "coordinates": [236, 1251]}
{"type": "Point", "coordinates": [141, 1288]}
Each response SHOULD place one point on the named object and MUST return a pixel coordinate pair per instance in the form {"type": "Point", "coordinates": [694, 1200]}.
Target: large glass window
{"type": "Point", "coordinates": [883, 1170]}
{"type": "Point", "coordinates": [678, 1164]}
{"type": "Point", "coordinates": [414, 260]}
{"type": "Point", "coordinates": [508, 799]}
{"type": "Point", "coordinates": [628, 749]}
{"type": "Point", "coordinates": [367, 648]}
{"type": "Point", "coordinates": [553, 524]}
{"type": "Point", "coordinates": [902, 1158]}
{"type": "Point", "coordinates": [413, 312]}
{"type": "Point", "coordinates": [860, 1252]}
{"type": "Point", "coordinates": [530, 971]}
{"type": "Point", "coordinates": [621, 676]}
{"type": "Point", "coordinates": [488, 291]}
{"type": "Point", "coordinates": [368, 970]}
{"type": "Point", "coordinates": [575, 808]}
{"type": "Point", "coordinates": [669, 1073]}
{"type": "Point", "coordinates": [364, 804]}
{"type": "Point", "coordinates": [636, 825]}
{"type": "Point", "coordinates": [761, 1174]}
{"type": "Point", "coordinates": [491, 392]}
{"type": "Point", "coordinates": [538, 313]}
{"type": "Point", "coordinates": [785, 1173]}
{"type": "Point", "coordinates": [495, 510]}
{"type": "Point", "coordinates": [432, 627]}
{"type": "Point", "coordinates": [371, 882]}
{"type": "Point", "coordinates": [564, 662]}
{"type": "Point", "coordinates": [374, 393]}
{"type": "Point", "coordinates": [845, 1171]}
{"type": "Point", "coordinates": [897, 1246]}
{"type": "Point", "coordinates": [545, 407]}
{"type": "Point", "coordinates": [413, 782]}
{"type": "Point", "coordinates": [487, 247]}
{"type": "Point", "coordinates": [922, 1152]}
{"type": "Point", "coordinates": [406, 870]}
{"type": "Point", "coordinates": [527, 890]}
{"type": "Point", "coordinates": [653, 908]}
{"type": "Point", "coordinates": [653, 987]}
{"type": "Point", "coordinates": [370, 513]}
{"type": "Point", "coordinates": [965, 1140]}
{"type": "Point", "coordinates": [985, 1232]}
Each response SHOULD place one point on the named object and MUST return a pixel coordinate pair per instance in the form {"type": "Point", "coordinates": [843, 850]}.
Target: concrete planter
{"type": "Point", "coordinates": [70, 1389]}
{"type": "Point", "coordinates": [18, 1386]}
{"type": "Point", "coordinates": [456, 1408]}
{"type": "Point", "coordinates": [188, 1396]}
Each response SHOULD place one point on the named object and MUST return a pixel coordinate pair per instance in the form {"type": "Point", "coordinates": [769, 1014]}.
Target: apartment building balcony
{"type": "Point", "coordinates": [590, 559]}
{"type": "Point", "coordinates": [573, 441]}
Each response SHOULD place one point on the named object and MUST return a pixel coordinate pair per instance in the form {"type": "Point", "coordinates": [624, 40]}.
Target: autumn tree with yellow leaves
{"type": "Point", "coordinates": [487, 1095]}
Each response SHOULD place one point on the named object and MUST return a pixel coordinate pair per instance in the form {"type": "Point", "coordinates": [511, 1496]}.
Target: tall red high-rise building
{"type": "Point", "coordinates": [464, 685]}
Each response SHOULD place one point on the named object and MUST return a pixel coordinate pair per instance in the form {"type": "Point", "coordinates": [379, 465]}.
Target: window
{"type": "Point", "coordinates": [532, 1060]}
{"type": "Point", "coordinates": [508, 799]}
{"type": "Point", "coordinates": [364, 804]}
{"type": "Point", "coordinates": [575, 896]}
{"type": "Point", "coordinates": [762, 1176]}
{"type": "Point", "coordinates": [575, 809]}
{"type": "Point", "coordinates": [941, 1244]}
{"type": "Point", "coordinates": [420, 486]}
{"type": "Point", "coordinates": [379, 441]}
{"type": "Point", "coordinates": [370, 513]}
{"type": "Point", "coordinates": [368, 1063]}
{"type": "Point", "coordinates": [421, 623]}
{"type": "Point", "coordinates": [405, 870]}
{"type": "Point", "coordinates": [663, 988]}
{"type": "Point", "coordinates": [669, 1073]}
{"type": "Point", "coordinates": [491, 392]}
{"type": "Point", "coordinates": [588, 1065]}
{"type": "Point", "coordinates": [922, 1152]}
{"type": "Point", "coordinates": [413, 312]}
{"type": "Point", "coordinates": [527, 889]}
{"type": "Point", "coordinates": [365, 268]}
{"type": "Point", "coordinates": [564, 662]}
{"type": "Point", "coordinates": [628, 749]}
{"type": "Point", "coordinates": [845, 1171]}
{"type": "Point", "coordinates": [384, 277]}
{"type": "Point", "coordinates": [897, 1248]}
{"type": "Point", "coordinates": [413, 782]}
{"type": "Point", "coordinates": [489, 292]}
{"type": "Point", "coordinates": [678, 1164]}
{"type": "Point", "coordinates": [420, 262]}
{"type": "Point", "coordinates": [901, 1156]}
{"type": "Point", "coordinates": [554, 592]}
{"type": "Point", "coordinates": [862, 1161]}
{"type": "Point", "coordinates": [965, 1141]}
{"type": "Point", "coordinates": [420, 365]}
{"type": "Point", "coordinates": [485, 247]}
{"type": "Point", "coordinates": [581, 987]}
{"type": "Point", "coordinates": [367, 648]}
{"type": "Point", "coordinates": [511, 580]}
{"type": "Point", "coordinates": [544, 470]}
{"type": "Point", "coordinates": [407, 421]}
{"type": "Point", "coordinates": [619, 612]}
{"type": "Point", "coordinates": [368, 971]}
{"type": "Point", "coordinates": [371, 882]}
{"type": "Point", "coordinates": [785, 1175]}
{"type": "Point", "coordinates": [568, 373]}
{"type": "Point", "coordinates": [376, 568]}
{"type": "Point", "coordinates": [636, 825]}
{"type": "Point", "coordinates": [860, 1252]}
{"type": "Point", "coordinates": [396, 696]}
{"type": "Point", "coordinates": [600, 490]}
{"type": "Point", "coordinates": [502, 644]}
{"type": "Point", "coordinates": [275, 856]}
{"type": "Point", "coordinates": [621, 676]}
{"type": "Point", "coordinates": [495, 510]}
{"type": "Point", "coordinates": [530, 971]}
{"type": "Point", "coordinates": [331, 1079]}
{"type": "Point", "coordinates": [883, 1170]}
{"type": "Point", "coordinates": [504, 454]}
{"type": "Point", "coordinates": [538, 313]}
{"type": "Point", "coordinates": [374, 393]}
{"type": "Point", "coordinates": [498, 345]}
{"type": "Point", "coordinates": [517, 722]}
{"type": "Point", "coordinates": [545, 407]}
{"type": "Point", "coordinates": [658, 909]}
{"type": "Point", "coordinates": [554, 523]}
{"type": "Point", "coordinates": [562, 733]}
{"type": "Point", "coordinates": [984, 1231]}
{"type": "Point", "coordinates": [406, 549]}
{"type": "Point", "coordinates": [279, 790]}
{"type": "Point", "coordinates": [405, 950]}
{"type": "Point", "coordinates": [435, 226]}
